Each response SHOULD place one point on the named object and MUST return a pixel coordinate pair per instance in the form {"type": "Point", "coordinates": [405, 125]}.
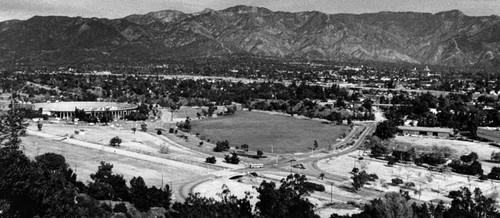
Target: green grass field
{"type": "Point", "coordinates": [261, 130]}
{"type": "Point", "coordinates": [489, 134]}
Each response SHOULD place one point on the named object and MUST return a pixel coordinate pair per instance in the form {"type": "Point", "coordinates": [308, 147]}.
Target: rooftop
{"type": "Point", "coordinates": [85, 105]}
{"type": "Point", "coordinates": [425, 129]}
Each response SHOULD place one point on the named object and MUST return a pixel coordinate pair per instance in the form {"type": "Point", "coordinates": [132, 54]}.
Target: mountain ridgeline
{"type": "Point", "coordinates": [448, 38]}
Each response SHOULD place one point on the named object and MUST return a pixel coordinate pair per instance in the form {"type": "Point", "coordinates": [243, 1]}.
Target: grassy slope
{"type": "Point", "coordinates": [261, 130]}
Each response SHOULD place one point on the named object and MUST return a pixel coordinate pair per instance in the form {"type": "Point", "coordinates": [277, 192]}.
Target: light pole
{"type": "Point", "coordinates": [331, 192]}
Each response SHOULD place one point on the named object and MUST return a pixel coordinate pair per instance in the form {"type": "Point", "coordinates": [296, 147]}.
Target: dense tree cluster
{"type": "Point", "coordinates": [399, 205]}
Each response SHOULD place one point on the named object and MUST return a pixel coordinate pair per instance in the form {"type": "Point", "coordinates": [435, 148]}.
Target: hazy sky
{"type": "Point", "coordinates": [24, 9]}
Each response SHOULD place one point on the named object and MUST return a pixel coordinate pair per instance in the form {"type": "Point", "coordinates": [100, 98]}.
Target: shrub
{"type": "Point", "coordinates": [164, 150]}
{"type": "Point", "coordinates": [409, 184]}
{"type": "Point", "coordinates": [144, 127]}
{"type": "Point", "coordinates": [158, 132]}
{"type": "Point", "coordinates": [115, 141]}
{"type": "Point", "coordinates": [232, 159]}
{"type": "Point", "coordinates": [483, 177]}
{"type": "Point", "coordinates": [314, 187]}
{"type": "Point", "coordinates": [475, 168]}
{"type": "Point", "coordinates": [355, 170]}
{"type": "Point", "coordinates": [469, 158]}
{"type": "Point", "coordinates": [39, 125]}
{"type": "Point", "coordinates": [221, 146]}
{"type": "Point", "coordinates": [201, 143]}
{"type": "Point", "coordinates": [391, 162]}
{"type": "Point", "coordinates": [211, 160]}
{"type": "Point", "coordinates": [495, 173]}
{"type": "Point", "coordinates": [244, 147]}
{"type": "Point", "coordinates": [260, 153]}
{"type": "Point", "coordinates": [455, 194]}
{"type": "Point", "coordinates": [397, 181]}
{"type": "Point", "coordinates": [106, 207]}
{"type": "Point", "coordinates": [495, 156]}
{"type": "Point", "coordinates": [120, 208]}
{"type": "Point", "coordinates": [171, 130]}
{"type": "Point", "coordinates": [372, 177]}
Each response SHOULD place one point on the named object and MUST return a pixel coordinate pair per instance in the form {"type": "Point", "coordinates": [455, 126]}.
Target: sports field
{"type": "Point", "coordinates": [262, 131]}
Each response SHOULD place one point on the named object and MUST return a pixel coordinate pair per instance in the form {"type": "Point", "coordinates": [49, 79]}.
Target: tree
{"type": "Point", "coordinates": [286, 201]}
{"type": "Point", "coordinates": [470, 157]}
{"type": "Point", "coordinates": [495, 156]}
{"type": "Point", "coordinates": [244, 147]}
{"type": "Point", "coordinates": [39, 126]}
{"type": "Point", "coordinates": [114, 185]}
{"type": "Point", "coordinates": [495, 173]}
{"type": "Point", "coordinates": [197, 206]}
{"type": "Point", "coordinates": [315, 145]}
{"type": "Point", "coordinates": [31, 189]}
{"type": "Point", "coordinates": [211, 160]}
{"type": "Point", "coordinates": [120, 208]}
{"type": "Point", "coordinates": [12, 127]}
{"type": "Point", "coordinates": [359, 180]}
{"type": "Point", "coordinates": [115, 141]}
{"type": "Point", "coordinates": [467, 204]}
{"type": "Point", "coordinates": [52, 161]}
{"type": "Point", "coordinates": [134, 129]}
{"type": "Point", "coordinates": [221, 146]}
{"type": "Point", "coordinates": [385, 130]}
{"type": "Point", "coordinates": [260, 153]}
{"type": "Point", "coordinates": [139, 194]}
{"type": "Point", "coordinates": [392, 205]}
{"type": "Point", "coordinates": [232, 159]}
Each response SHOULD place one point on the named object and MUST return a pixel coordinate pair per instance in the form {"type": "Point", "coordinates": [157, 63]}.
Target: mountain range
{"type": "Point", "coordinates": [448, 38]}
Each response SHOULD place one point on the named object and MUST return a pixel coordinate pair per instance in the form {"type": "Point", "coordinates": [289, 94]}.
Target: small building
{"type": "Point", "coordinates": [426, 131]}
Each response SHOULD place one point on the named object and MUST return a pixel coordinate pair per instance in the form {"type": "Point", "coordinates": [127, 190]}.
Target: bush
{"type": "Point", "coordinates": [211, 160]}
{"type": "Point", "coordinates": [495, 173]}
{"type": "Point", "coordinates": [221, 146]}
{"type": "Point", "coordinates": [391, 162]}
{"type": "Point", "coordinates": [201, 143]}
{"type": "Point", "coordinates": [244, 147]}
{"type": "Point", "coordinates": [454, 194]}
{"type": "Point", "coordinates": [164, 150]}
{"type": "Point", "coordinates": [483, 177]}
{"type": "Point", "coordinates": [260, 153]}
{"type": "Point", "coordinates": [120, 208]}
{"type": "Point", "coordinates": [144, 127]}
{"type": "Point", "coordinates": [495, 156]}
{"type": "Point", "coordinates": [469, 158]}
{"type": "Point", "coordinates": [106, 207]}
{"type": "Point", "coordinates": [314, 187]}
{"type": "Point", "coordinates": [372, 177]}
{"type": "Point", "coordinates": [232, 159]}
{"type": "Point", "coordinates": [115, 141]}
{"type": "Point", "coordinates": [475, 168]}
{"type": "Point", "coordinates": [355, 170]}
{"type": "Point", "coordinates": [158, 132]}
{"type": "Point", "coordinates": [397, 181]}
{"type": "Point", "coordinates": [171, 130]}
{"type": "Point", "coordinates": [409, 184]}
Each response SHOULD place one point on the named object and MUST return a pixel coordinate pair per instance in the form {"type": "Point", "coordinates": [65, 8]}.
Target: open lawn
{"type": "Point", "coordinates": [261, 131]}
{"type": "Point", "coordinates": [489, 134]}
{"type": "Point", "coordinates": [85, 161]}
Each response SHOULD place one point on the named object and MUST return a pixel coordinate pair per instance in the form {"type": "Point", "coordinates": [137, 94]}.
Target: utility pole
{"type": "Point", "coordinates": [331, 192]}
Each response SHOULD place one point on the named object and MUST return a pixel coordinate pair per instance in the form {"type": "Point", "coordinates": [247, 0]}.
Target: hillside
{"type": "Point", "coordinates": [448, 38]}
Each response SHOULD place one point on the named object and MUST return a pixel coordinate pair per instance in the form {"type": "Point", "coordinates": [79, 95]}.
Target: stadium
{"type": "Point", "coordinates": [66, 110]}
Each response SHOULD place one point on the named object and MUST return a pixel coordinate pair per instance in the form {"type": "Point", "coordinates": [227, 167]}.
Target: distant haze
{"type": "Point", "coordinates": [24, 9]}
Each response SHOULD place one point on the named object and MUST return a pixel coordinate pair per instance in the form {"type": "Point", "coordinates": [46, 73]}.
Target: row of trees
{"type": "Point", "coordinates": [400, 205]}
